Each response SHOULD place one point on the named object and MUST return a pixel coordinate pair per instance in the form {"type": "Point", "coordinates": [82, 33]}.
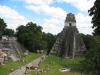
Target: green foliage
{"type": "Point", "coordinates": [95, 12]}
{"type": "Point", "coordinates": [92, 57]}
{"type": "Point", "coordinates": [87, 39]}
{"type": "Point", "coordinates": [2, 27]}
{"type": "Point", "coordinates": [32, 37]}
{"type": "Point", "coordinates": [8, 32]}
{"type": "Point", "coordinates": [91, 62]}
{"type": "Point", "coordinates": [4, 30]}
{"type": "Point", "coordinates": [50, 40]}
{"type": "Point", "coordinates": [97, 38]}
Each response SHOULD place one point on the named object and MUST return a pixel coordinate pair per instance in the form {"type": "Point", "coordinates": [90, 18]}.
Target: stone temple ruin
{"type": "Point", "coordinates": [69, 43]}
{"type": "Point", "coordinates": [11, 47]}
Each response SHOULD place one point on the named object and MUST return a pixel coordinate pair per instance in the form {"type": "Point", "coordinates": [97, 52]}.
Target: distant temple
{"type": "Point", "coordinates": [69, 43]}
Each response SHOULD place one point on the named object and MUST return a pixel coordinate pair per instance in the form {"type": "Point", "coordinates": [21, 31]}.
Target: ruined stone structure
{"type": "Point", "coordinates": [11, 47]}
{"type": "Point", "coordinates": [69, 43]}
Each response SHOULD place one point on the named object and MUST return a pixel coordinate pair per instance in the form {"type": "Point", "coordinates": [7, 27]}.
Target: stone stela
{"type": "Point", "coordinates": [69, 43]}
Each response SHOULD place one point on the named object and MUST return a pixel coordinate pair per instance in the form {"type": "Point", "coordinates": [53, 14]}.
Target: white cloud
{"type": "Point", "coordinates": [82, 5]}
{"type": "Point", "coordinates": [57, 15]}
{"type": "Point", "coordinates": [52, 25]}
{"type": "Point", "coordinates": [84, 23]}
{"type": "Point", "coordinates": [43, 7]}
{"type": "Point", "coordinates": [55, 26]}
{"type": "Point", "coordinates": [10, 13]}
{"type": "Point", "coordinates": [54, 16]}
{"type": "Point", "coordinates": [55, 12]}
{"type": "Point", "coordinates": [38, 2]}
{"type": "Point", "coordinates": [12, 17]}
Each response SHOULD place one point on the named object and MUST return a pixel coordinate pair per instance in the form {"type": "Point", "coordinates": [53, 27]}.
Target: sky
{"type": "Point", "coordinates": [50, 14]}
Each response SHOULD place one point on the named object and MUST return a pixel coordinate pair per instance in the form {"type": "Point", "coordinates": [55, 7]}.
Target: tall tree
{"type": "Point", "coordinates": [95, 12]}
{"type": "Point", "coordinates": [92, 58]}
{"type": "Point", "coordinates": [2, 26]}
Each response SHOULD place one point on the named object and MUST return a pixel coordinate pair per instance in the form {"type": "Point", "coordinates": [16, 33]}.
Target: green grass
{"type": "Point", "coordinates": [56, 63]}
{"type": "Point", "coordinates": [11, 66]}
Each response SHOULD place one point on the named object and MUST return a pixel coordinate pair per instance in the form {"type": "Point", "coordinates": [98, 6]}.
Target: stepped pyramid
{"type": "Point", "coordinates": [69, 43]}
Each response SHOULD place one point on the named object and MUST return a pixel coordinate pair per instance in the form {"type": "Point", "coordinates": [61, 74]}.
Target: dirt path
{"type": "Point", "coordinates": [21, 71]}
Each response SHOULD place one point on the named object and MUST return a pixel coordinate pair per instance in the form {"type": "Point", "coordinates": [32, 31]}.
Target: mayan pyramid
{"type": "Point", "coordinates": [69, 43]}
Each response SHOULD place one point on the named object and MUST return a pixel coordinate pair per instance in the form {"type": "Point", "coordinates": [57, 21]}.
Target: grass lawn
{"type": "Point", "coordinates": [55, 63]}
{"type": "Point", "coordinates": [10, 66]}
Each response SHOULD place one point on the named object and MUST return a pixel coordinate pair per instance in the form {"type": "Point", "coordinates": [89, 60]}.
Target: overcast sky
{"type": "Point", "coordinates": [50, 14]}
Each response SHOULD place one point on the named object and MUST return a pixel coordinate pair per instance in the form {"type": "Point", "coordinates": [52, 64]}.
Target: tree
{"type": "Point", "coordinates": [31, 37]}
{"type": "Point", "coordinates": [8, 32]}
{"type": "Point", "coordinates": [87, 39]}
{"type": "Point", "coordinates": [95, 12]}
{"type": "Point", "coordinates": [50, 40]}
{"type": "Point", "coordinates": [91, 63]}
{"type": "Point", "coordinates": [92, 58]}
{"type": "Point", "coordinates": [2, 27]}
